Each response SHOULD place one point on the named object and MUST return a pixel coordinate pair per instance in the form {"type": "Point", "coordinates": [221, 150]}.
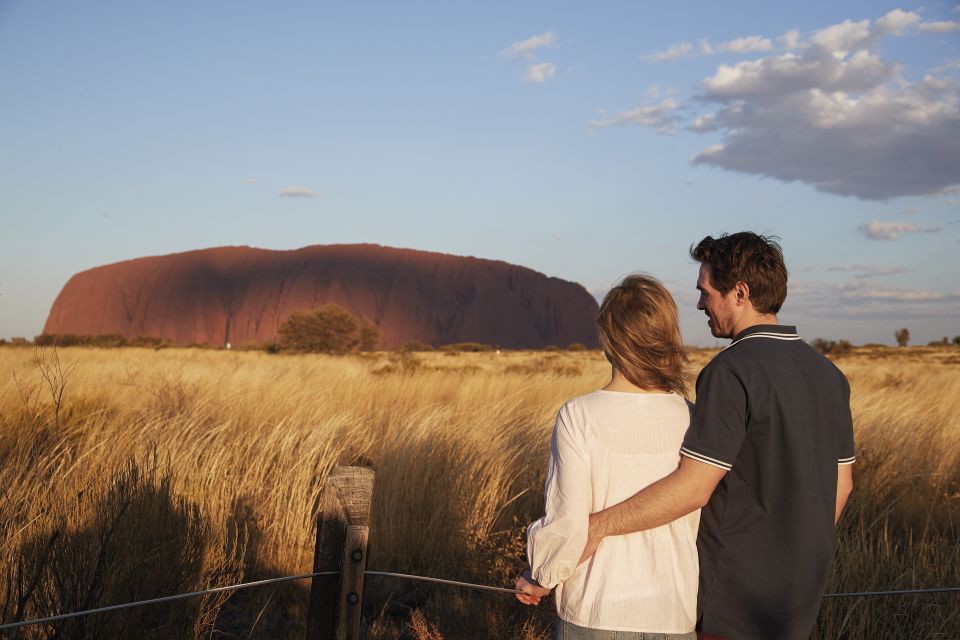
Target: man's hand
{"type": "Point", "coordinates": [532, 592]}
{"type": "Point", "coordinates": [594, 538]}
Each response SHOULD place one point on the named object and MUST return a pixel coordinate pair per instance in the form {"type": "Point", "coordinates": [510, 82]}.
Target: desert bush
{"type": "Point", "coordinates": [327, 329]}
{"type": "Point", "coordinates": [576, 346]}
{"type": "Point", "coordinates": [902, 336]}
{"type": "Point", "coordinates": [832, 347]}
{"type": "Point", "coordinates": [415, 345]}
{"type": "Point", "coordinates": [470, 347]}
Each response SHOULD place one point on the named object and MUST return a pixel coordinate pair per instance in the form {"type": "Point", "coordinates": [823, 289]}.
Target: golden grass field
{"type": "Point", "coordinates": [173, 470]}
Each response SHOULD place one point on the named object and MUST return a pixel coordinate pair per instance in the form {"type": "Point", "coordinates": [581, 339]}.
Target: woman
{"type": "Point", "coordinates": [606, 446]}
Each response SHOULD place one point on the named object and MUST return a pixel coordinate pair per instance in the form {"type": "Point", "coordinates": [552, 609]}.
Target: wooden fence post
{"type": "Point", "coordinates": [343, 525]}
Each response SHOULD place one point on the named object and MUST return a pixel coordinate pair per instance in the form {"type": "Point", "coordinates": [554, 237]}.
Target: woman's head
{"type": "Point", "coordinates": [640, 334]}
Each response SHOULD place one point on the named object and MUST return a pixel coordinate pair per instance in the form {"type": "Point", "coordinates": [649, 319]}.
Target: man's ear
{"type": "Point", "coordinates": [742, 291]}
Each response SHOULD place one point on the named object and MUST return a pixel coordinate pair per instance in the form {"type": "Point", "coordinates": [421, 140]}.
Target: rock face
{"type": "Point", "coordinates": [243, 294]}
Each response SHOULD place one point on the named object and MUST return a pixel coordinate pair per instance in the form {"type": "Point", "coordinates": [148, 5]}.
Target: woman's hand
{"type": "Point", "coordinates": [532, 592]}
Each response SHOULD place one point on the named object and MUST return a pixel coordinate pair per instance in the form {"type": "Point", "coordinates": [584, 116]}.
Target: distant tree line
{"type": "Point", "coordinates": [833, 347]}
{"type": "Point", "coordinates": [104, 340]}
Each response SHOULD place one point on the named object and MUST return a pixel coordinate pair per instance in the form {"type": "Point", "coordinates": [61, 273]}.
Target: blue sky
{"type": "Point", "coordinates": [583, 140]}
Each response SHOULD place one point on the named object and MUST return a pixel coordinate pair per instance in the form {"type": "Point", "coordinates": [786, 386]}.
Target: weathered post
{"type": "Point", "coordinates": [343, 526]}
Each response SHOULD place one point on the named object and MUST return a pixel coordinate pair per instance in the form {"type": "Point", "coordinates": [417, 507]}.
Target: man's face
{"type": "Point", "coordinates": [719, 307]}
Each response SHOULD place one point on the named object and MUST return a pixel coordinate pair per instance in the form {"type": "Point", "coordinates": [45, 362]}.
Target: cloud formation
{"type": "Point", "coordinates": [867, 270]}
{"type": "Point", "coordinates": [539, 73]}
{"type": "Point", "coordinates": [859, 298]}
{"type": "Point", "coordinates": [826, 110]}
{"type": "Point", "coordinates": [535, 72]}
{"type": "Point", "coordinates": [296, 191]}
{"type": "Point", "coordinates": [876, 230]}
{"type": "Point", "coordinates": [660, 116]}
{"type": "Point", "coordinates": [679, 50]}
{"type": "Point", "coordinates": [525, 48]}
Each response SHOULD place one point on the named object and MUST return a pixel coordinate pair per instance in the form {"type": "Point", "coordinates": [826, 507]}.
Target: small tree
{"type": "Point", "coordinates": [369, 336]}
{"type": "Point", "coordinates": [956, 340]}
{"type": "Point", "coordinates": [326, 329]}
{"type": "Point", "coordinates": [902, 336]}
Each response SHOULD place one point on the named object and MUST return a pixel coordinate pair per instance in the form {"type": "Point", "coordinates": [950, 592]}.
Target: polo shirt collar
{"type": "Point", "coordinates": [776, 331]}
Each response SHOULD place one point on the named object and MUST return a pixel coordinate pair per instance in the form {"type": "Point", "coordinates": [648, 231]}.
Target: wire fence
{"type": "Point", "coordinates": [404, 576]}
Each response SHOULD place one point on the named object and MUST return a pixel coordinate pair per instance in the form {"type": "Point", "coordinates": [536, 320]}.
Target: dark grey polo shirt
{"type": "Point", "coordinates": [775, 414]}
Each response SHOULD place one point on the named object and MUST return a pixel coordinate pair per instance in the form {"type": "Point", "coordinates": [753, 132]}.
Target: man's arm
{"type": "Point", "coordinates": [688, 488]}
{"type": "Point", "coordinates": [844, 487]}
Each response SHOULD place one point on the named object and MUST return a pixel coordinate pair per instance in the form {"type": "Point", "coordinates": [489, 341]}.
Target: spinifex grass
{"type": "Point", "coordinates": [236, 445]}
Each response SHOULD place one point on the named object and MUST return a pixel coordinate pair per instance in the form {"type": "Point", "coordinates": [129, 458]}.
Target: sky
{"type": "Point", "coordinates": [583, 140]}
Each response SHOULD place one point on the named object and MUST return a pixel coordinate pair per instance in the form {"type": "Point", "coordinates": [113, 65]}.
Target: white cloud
{"type": "Point", "coordinates": [876, 230]}
{"type": "Point", "coordinates": [940, 27]}
{"type": "Point", "coordinates": [704, 123]}
{"type": "Point", "coordinates": [674, 51]}
{"type": "Point", "coordinates": [831, 113]}
{"type": "Point", "coordinates": [539, 73]}
{"type": "Point", "coordinates": [901, 295]}
{"type": "Point", "coordinates": [849, 126]}
{"type": "Point", "coordinates": [249, 181]}
{"type": "Point", "coordinates": [525, 48]}
{"type": "Point", "coordinates": [296, 191]}
{"type": "Point", "coordinates": [867, 270]}
{"type": "Point", "coordinates": [747, 45]}
{"type": "Point", "coordinates": [790, 40]}
{"type": "Point", "coordinates": [660, 117]}
{"type": "Point", "coordinates": [897, 21]}
{"type": "Point", "coordinates": [843, 37]}
{"type": "Point", "coordinates": [861, 298]}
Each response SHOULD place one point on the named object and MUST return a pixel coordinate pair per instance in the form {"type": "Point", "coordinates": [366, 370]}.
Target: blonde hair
{"type": "Point", "coordinates": [640, 334]}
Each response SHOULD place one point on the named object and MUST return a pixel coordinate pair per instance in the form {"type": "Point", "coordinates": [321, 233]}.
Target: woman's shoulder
{"type": "Point", "coordinates": [602, 399]}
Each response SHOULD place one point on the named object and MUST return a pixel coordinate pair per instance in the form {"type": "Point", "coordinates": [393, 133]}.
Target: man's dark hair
{"type": "Point", "coordinates": [746, 257]}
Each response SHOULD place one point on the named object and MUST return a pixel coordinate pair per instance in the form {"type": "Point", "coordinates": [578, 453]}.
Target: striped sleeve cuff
{"type": "Point", "coordinates": [849, 460]}
{"type": "Point", "coordinates": [699, 457]}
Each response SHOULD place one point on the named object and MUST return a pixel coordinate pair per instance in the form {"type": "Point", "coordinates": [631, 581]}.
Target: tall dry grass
{"type": "Point", "coordinates": [222, 456]}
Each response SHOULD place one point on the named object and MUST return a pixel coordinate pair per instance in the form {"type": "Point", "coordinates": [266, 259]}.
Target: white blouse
{"type": "Point", "coordinates": [607, 446]}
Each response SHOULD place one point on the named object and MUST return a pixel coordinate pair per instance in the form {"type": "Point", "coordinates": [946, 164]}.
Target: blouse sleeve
{"type": "Point", "coordinates": [556, 541]}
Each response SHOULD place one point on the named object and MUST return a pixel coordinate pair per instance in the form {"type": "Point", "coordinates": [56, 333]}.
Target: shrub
{"type": "Point", "coordinates": [369, 336]}
{"type": "Point", "coordinates": [415, 345]}
{"type": "Point", "coordinates": [834, 347]}
{"type": "Point", "coordinates": [327, 329]}
{"type": "Point", "coordinates": [466, 346]}
{"type": "Point", "coordinates": [902, 336]}
{"type": "Point", "coordinates": [576, 346]}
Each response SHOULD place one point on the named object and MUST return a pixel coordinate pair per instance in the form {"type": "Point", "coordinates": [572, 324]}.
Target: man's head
{"type": "Point", "coordinates": [742, 281]}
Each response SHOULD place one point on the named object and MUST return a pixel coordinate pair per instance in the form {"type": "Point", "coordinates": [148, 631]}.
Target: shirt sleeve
{"type": "Point", "coordinates": [846, 454]}
{"type": "Point", "coordinates": [719, 420]}
{"type": "Point", "coordinates": [556, 541]}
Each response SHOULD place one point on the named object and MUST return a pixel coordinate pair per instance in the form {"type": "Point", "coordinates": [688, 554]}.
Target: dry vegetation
{"type": "Point", "coordinates": [165, 471]}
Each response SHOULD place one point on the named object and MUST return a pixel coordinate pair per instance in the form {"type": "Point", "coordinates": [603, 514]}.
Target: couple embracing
{"type": "Point", "coordinates": [669, 521]}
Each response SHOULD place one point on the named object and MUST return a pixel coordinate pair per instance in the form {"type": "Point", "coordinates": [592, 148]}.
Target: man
{"type": "Point", "coordinates": [767, 456]}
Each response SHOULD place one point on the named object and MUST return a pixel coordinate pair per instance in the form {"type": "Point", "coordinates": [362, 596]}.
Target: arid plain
{"type": "Point", "coordinates": [152, 472]}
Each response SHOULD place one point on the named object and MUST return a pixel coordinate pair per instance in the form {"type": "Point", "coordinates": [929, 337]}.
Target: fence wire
{"type": "Point", "coordinates": [403, 576]}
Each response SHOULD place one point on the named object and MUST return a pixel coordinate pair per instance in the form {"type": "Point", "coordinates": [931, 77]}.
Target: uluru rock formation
{"type": "Point", "coordinates": [242, 294]}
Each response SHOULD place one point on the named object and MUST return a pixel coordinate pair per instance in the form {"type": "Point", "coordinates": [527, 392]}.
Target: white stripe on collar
{"type": "Point", "coordinates": [766, 334]}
